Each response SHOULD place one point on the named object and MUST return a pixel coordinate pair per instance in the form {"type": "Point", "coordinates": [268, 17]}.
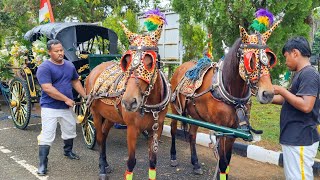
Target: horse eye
{"type": "Point", "coordinates": [253, 62]}
{"type": "Point", "coordinates": [125, 62]}
{"type": "Point", "coordinates": [148, 62]}
{"type": "Point", "coordinates": [272, 59]}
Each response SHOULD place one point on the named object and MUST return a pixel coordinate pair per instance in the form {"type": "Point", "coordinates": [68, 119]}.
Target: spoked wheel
{"type": "Point", "coordinates": [88, 129]}
{"type": "Point", "coordinates": [20, 103]}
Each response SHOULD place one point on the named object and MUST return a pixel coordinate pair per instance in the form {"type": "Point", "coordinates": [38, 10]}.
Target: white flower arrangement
{"type": "Point", "coordinates": [19, 54]}
{"type": "Point", "coordinates": [5, 72]}
{"type": "Point", "coordinates": [39, 52]}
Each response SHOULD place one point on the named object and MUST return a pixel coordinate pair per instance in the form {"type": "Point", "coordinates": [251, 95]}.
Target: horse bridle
{"type": "Point", "coordinates": [262, 58]}
{"type": "Point", "coordinates": [135, 65]}
{"type": "Point", "coordinates": [155, 108]}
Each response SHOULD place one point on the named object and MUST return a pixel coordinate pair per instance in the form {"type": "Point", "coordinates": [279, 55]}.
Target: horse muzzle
{"type": "Point", "coordinates": [265, 97]}
{"type": "Point", "coordinates": [131, 105]}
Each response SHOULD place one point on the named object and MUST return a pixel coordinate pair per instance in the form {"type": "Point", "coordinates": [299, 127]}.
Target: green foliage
{"type": "Point", "coordinates": [223, 17]}
{"type": "Point", "coordinates": [17, 17]}
{"type": "Point", "coordinates": [5, 72]}
{"type": "Point", "coordinates": [194, 41]}
{"type": "Point", "coordinates": [129, 19]}
{"type": "Point", "coordinates": [316, 44]}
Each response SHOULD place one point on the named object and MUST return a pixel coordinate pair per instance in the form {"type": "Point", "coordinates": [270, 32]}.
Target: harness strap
{"type": "Point", "coordinates": [144, 48]}
{"type": "Point", "coordinates": [253, 46]}
{"type": "Point", "coordinates": [160, 106]}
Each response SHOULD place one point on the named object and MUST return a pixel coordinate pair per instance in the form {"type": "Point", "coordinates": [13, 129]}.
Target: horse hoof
{"type": "Point", "coordinates": [174, 163]}
{"type": "Point", "coordinates": [103, 177]}
{"type": "Point", "coordinates": [198, 171]}
{"type": "Point", "coordinates": [109, 169]}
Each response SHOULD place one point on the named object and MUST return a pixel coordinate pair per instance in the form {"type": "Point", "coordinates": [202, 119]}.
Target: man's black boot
{"type": "Point", "coordinates": [68, 144]}
{"type": "Point", "coordinates": [43, 157]}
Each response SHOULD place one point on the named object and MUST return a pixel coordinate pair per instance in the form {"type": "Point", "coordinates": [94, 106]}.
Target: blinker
{"type": "Point", "coordinates": [136, 60]}
{"type": "Point", "coordinates": [263, 58]}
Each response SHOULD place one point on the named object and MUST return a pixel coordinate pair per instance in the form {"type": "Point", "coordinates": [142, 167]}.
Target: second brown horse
{"type": "Point", "coordinates": [223, 97]}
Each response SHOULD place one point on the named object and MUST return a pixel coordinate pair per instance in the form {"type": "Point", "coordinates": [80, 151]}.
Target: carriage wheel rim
{"type": "Point", "coordinates": [88, 132]}
{"type": "Point", "coordinates": [18, 96]}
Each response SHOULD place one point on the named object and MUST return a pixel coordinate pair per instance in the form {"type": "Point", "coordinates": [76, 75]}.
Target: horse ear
{"type": "Point", "coordinates": [155, 35]}
{"type": "Point", "coordinates": [130, 35]}
{"type": "Point", "coordinates": [268, 33]}
{"type": "Point", "coordinates": [243, 34]}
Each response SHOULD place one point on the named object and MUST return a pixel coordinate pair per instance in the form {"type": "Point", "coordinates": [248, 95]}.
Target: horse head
{"type": "Point", "coordinates": [140, 65]}
{"type": "Point", "coordinates": [256, 60]}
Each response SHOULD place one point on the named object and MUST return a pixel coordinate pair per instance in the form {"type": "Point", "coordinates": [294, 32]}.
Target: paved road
{"type": "Point", "coordinates": [19, 158]}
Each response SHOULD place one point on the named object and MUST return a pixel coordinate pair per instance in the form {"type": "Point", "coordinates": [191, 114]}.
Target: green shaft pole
{"type": "Point", "coordinates": [235, 132]}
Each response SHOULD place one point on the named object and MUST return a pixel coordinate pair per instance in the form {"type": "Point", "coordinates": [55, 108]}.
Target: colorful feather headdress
{"type": "Point", "coordinates": [154, 18]}
{"type": "Point", "coordinates": [264, 19]}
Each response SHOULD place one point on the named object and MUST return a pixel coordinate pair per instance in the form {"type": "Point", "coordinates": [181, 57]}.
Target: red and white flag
{"type": "Point", "coordinates": [45, 12]}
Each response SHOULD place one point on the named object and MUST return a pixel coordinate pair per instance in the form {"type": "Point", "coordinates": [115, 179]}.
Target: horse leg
{"type": "Point", "coordinates": [194, 157]}
{"type": "Point", "coordinates": [225, 152]}
{"type": "Point", "coordinates": [152, 159]}
{"type": "Point", "coordinates": [107, 128]}
{"type": "Point", "coordinates": [101, 140]}
{"type": "Point", "coordinates": [132, 134]}
{"type": "Point", "coordinates": [173, 152]}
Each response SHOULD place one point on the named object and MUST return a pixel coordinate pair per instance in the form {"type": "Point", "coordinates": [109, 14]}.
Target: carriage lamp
{"type": "Point", "coordinates": [13, 103]}
{"type": "Point", "coordinates": [80, 119]}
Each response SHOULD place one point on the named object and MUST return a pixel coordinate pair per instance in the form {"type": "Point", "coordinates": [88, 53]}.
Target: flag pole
{"type": "Point", "coordinates": [50, 11]}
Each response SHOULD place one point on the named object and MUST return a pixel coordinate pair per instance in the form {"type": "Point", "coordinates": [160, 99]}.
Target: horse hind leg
{"type": "Point", "coordinates": [107, 128]}
{"type": "Point", "coordinates": [194, 157]}
{"type": "Point", "coordinates": [225, 152]}
{"type": "Point", "coordinates": [173, 131]}
{"type": "Point", "coordinates": [101, 140]}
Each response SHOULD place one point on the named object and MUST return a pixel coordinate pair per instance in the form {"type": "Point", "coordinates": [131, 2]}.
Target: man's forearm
{"type": "Point", "coordinates": [78, 87]}
{"type": "Point", "coordinates": [296, 101]}
{"type": "Point", "coordinates": [55, 94]}
{"type": "Point", "coordinates": [277, 99]}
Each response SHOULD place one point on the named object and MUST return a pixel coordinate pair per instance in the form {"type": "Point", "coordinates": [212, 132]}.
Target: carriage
{"type": "Point", "coordinates": [85, 44]}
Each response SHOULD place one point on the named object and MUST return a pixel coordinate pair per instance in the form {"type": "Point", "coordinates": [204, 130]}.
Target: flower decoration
{"type": "Point", "coordinates": [5, 72]}
{"type": "Point", "coordinates": [154, 18]}
{"type": "Point", "coordinates": [39, 52]}
{"type": "Point", "coordinates": [19, 54]}
{"type": "Point", "coordinates": [264, 19]}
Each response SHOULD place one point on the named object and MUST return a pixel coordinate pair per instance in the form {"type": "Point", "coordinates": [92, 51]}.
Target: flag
{"type": "Point", "coordinates": [45, 12]}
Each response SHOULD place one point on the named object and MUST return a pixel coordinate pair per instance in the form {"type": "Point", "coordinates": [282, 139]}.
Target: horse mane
{"type": "Point", "coordinates": [231, 63]}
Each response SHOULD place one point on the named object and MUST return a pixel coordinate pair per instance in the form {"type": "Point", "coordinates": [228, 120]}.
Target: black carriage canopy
{"type": "Point", "coordinates": [72, 34]}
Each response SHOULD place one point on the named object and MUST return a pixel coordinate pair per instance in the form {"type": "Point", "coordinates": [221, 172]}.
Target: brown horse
{"type": "Point", "coordinates": [224, 95]}
{"type": "Point", "coordinates": [141, 87]}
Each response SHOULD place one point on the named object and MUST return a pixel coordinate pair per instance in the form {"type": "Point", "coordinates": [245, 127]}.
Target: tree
{"type": "Point", "coordinates": [223, 17]}
{"type": "Point", "coordinates": [17, 17]}
{"type": "Point", "coordinates": [316, 44]}
{"type": "Point", "coordinates": [129, 18]}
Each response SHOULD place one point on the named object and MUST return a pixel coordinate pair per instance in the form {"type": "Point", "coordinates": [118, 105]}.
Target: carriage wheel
{"type": "Point", "coordinates": [20, 103]}
{"type": "Point", "coordinates": [88, 129]}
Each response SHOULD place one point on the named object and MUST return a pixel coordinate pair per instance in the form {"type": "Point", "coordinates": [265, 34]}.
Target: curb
{"type": "Point", "coordinates": [253, 152]}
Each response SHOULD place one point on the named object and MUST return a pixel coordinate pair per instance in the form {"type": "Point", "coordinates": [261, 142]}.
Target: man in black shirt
{"type": "Point", "coordinates": [299, 137]}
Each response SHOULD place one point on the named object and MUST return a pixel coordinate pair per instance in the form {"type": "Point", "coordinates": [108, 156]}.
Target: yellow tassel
{"type": "Point", "coordinates": [155, 19]}
{"type": "Point", "coordinates": [152, 174]}
{"type": "Point", "coordinates": [264, 20]}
